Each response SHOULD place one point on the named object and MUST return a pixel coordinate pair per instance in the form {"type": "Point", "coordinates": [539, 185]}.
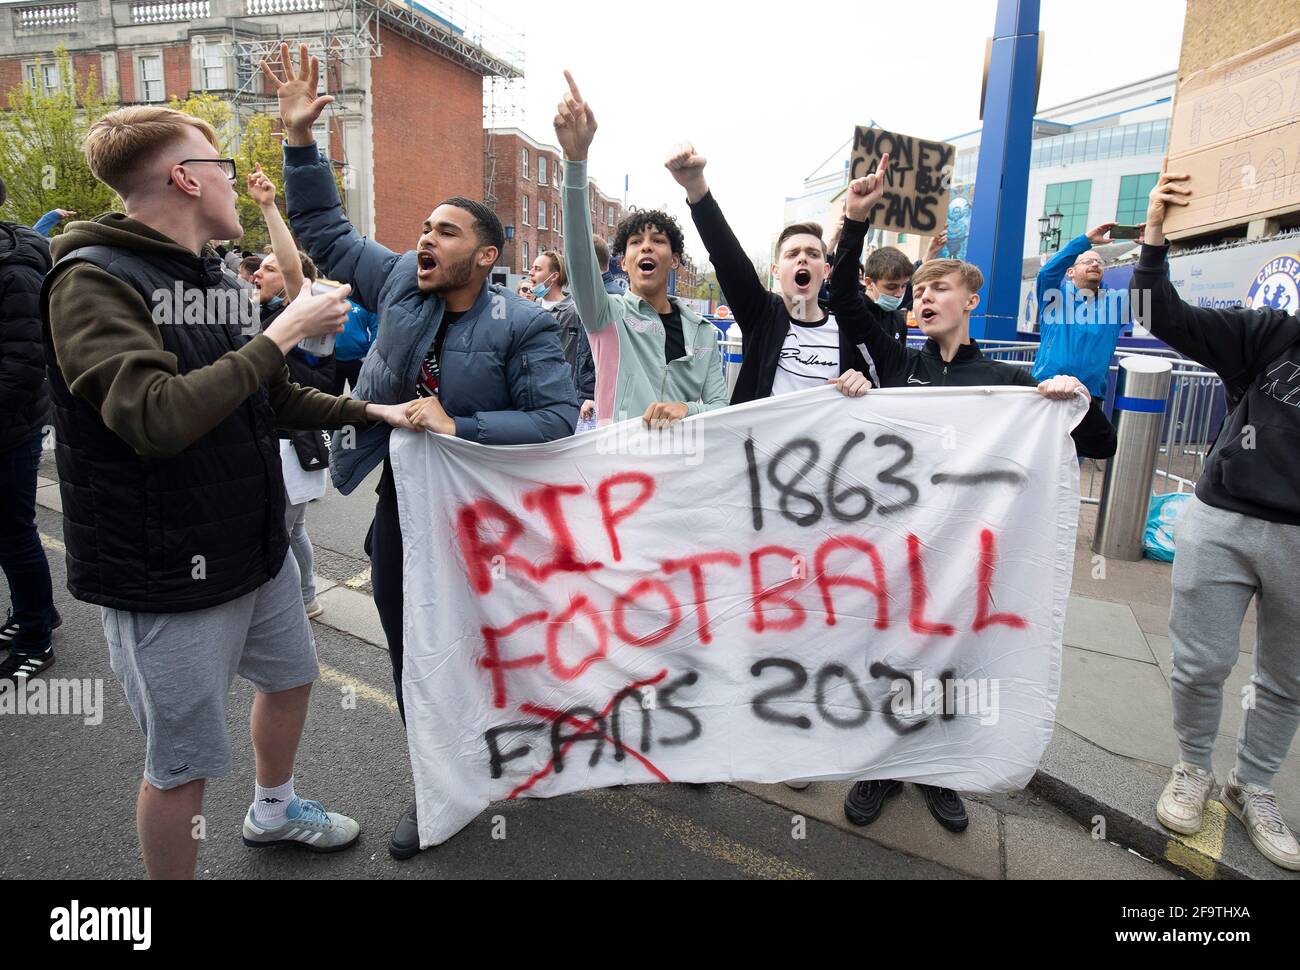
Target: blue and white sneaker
{"type": "Point", "coordinates": [306, 824]}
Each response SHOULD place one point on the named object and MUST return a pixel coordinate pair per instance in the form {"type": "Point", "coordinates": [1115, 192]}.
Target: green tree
{"type": "Point", "coordinates": [41, 137]}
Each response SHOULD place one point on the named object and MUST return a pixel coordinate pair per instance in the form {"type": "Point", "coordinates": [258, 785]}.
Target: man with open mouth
{"type": "Point", "coordinates": [473, 354]}
{"type": "Point", "coordinates": [946, 292]}
{"type": "Point", "coordinates": [656, 358]}
{"type": "Point", "coordinates": [791, 342]}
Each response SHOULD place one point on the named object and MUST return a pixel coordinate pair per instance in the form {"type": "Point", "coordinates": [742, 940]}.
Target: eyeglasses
{"type": "Point", "coordinates": [227, 166]}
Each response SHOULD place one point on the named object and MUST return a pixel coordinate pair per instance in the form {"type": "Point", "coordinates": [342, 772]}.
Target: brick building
{"type": "Point", "coordinates": [407, 124]}
{"type": "Point", "coordinates": [526, 177]}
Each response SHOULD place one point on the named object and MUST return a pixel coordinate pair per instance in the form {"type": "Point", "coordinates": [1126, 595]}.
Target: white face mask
{"type": "Point", "coordinates": [889, 303]}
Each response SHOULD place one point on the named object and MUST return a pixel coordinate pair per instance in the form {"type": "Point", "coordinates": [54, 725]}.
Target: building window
{"type": "Point", "coordinates": [1134, 193]}
{"type": "Point", "coordinates": [528, 262]}
{"type": "Point", "coordinates": [149, 77]}
{"type": "Point", "coordinates": [44, 78]}
{"type": "Point", "coordinates": [214, 68]}
{"type": "Point", "coordinates": [1071, 199]}
{"type": "Point", "coordinates": [526, 222]}
{"type": "Point", "coordinates": [541, 213]}
{"type": "Point", "coordinates": [559, 224]}
{"type": "Point", "coordinates": [541, 169]}
{"type": "Point", "coordinates": [524, 168]}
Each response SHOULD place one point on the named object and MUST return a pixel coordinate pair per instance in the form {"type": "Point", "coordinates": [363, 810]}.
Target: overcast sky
{"type": "Point", "coordinates": [768, 91]}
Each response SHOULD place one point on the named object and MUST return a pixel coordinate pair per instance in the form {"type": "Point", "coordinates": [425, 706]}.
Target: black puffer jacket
{"type": "Point", "coordinates": [24, 394]}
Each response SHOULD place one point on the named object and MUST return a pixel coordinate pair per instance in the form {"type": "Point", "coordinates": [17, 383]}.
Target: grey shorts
{"type": "Point", "coordinates": [177, 671]}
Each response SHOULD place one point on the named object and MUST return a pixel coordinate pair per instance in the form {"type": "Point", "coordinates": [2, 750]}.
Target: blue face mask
{"type": "Point", "coordinates": [889, 303]}
{"type": "Point", "coordinates": [539, 292]}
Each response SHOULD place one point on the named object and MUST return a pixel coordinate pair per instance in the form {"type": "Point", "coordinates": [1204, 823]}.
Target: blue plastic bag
{"type": "Point", "coordinates": [1162, 526]}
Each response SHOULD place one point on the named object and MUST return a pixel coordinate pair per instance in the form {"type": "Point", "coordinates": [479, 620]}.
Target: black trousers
{"type": "Point", "coordinates": [22, 557]}
{"type": "Point", "coordinates": [346, 372]}
{"type": "Point", "coordinates": [384, 546]}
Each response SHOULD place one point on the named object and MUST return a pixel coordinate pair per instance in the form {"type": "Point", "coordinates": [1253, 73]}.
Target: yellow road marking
{"type": "Point", "coordinates": [1199, 854]}
{"type": "Point", "coordinates": [359, 580]}
{"type": "Point", "coordinates": [53, 544]}
{"type": "Point", "coordinates": [372, 694]}
{"type": "Point", "coordinates": [752, 862]}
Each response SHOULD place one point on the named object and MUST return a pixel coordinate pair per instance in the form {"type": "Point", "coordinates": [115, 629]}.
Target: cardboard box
{"type": "Point", "coordinates": [1236, 131]}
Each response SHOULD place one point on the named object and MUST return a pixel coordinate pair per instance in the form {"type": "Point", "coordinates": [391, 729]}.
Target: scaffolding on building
{"type": "Point", "coordinates": [351, 32]}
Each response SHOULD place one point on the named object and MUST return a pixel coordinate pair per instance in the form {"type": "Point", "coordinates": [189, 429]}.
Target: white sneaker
{"type": "Point", "coordinates": [1257, 809]}
{"type": "Point", "coordinates": [1181, 807]}
{"type": "Point", "coordinates": [315, 610]}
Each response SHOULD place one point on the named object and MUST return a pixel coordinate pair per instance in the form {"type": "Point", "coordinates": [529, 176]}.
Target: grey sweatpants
{"type": "Point", "coordinates": [295, 520]}
{"type": "Point", "coordinates": [1223, 561]}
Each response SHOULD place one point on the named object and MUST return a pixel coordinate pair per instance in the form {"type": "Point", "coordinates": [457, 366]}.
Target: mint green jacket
{"type": "Point", "coordinates": [627, 337]}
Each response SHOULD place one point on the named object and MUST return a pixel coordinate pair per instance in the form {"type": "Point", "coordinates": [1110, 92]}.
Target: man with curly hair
{"type": "Point", "coordinates": [655, 357]}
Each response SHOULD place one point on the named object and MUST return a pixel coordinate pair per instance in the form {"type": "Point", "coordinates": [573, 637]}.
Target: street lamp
{"type": "Point", "coordinates": [1049, 232]}
{"type": "Point", "coordinates": [711, 289]}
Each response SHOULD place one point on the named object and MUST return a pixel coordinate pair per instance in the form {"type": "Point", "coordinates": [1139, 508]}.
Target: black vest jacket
{"type": "Point", "coordinates": [185, 533]}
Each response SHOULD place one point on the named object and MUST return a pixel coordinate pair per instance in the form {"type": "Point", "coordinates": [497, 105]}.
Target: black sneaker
{"type": "Point", "coordinates": [405, 843]}
{"type": "Point", "coordinates": [946, 807]}
{"type": "Point", "coordinates": [23, 666]}
{"type": "Point", "coordinates": [9, 632]}
{"type": "Point", "coordinates": [866, 799]}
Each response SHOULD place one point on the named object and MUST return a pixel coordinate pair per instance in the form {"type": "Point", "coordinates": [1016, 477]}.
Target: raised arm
{"type": "Point", "coordinates": [740, 283]}
{"type": "Point", "coordinates": [1236, 343]}
{"type": "Point", "coordinates": [262, 190]}
{"type": "Point", "coordinates": [575, 127]}
{"type": "Point", "coordinates": [867, 323]}
{"type": "Point", "coordinates": [315, 211]}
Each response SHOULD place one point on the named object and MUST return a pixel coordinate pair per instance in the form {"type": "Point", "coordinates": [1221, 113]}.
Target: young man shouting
{"type": "Point", "coordinates": [656, 358]}
{"type": "Point", "coordinates": [486, 367]}
{"type": "Point", "coordinates": [946, 293]}
{"type": "Point", "coordinates": [791, 343]}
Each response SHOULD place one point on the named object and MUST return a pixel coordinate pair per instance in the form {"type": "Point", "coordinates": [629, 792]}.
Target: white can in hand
{"type": "Point", "coordinates": [320, 346]}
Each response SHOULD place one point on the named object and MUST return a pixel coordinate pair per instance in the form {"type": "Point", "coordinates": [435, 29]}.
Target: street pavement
{"type": "Point", "coordinates": [67, 790]}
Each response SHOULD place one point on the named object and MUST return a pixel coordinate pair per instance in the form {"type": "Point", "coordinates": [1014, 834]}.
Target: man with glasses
{"type": "Point", "coordinates": [1080, 320]}
{"type": "Point", "coordinates": [165, 413]}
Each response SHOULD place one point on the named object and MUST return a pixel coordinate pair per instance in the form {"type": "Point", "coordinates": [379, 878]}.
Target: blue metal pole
{"type": "Point", "coordinates": [997, 237]}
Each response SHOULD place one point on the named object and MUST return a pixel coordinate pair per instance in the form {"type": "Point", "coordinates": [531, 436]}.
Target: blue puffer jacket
{"type": "Point", "coordinates": [504, 377]}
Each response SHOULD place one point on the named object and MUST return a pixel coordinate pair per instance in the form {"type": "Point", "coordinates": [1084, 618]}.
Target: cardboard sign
{"type": "Point", "coordinates": [806, 587]}
{"type": "Point", "coordinates": [1236, 131]}
{"type": "Point", "coordinates": [918, 184]}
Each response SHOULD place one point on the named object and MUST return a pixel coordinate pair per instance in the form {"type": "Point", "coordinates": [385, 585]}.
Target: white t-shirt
{"type": "Point", "coordinates": [809, 358]}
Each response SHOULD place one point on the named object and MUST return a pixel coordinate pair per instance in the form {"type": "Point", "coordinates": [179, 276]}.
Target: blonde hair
{"type": "Point", "coordinates": [937, 269]}
{"type": "Point", "coordinates": [124, 141]}
{"type": "Point", "coordinates": [557, 260]}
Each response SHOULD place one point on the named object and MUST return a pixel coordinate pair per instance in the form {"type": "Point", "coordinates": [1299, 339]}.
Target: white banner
{"type": "Point", "coordinates": [809, 587]}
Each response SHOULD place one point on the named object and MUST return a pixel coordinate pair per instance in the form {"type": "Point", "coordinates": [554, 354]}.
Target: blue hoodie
{"type": "Point", "coordinates": [358, 334]}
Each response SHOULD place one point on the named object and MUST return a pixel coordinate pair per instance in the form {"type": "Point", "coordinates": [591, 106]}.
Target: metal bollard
{"type": "Point", "coordinates": [1141, 401]}
{"type": "Point", "coordinates": [733, 349]}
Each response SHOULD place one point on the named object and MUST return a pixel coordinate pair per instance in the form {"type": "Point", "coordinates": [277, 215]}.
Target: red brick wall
{"type": "Point", "coordinates": [82, 65]}
{"type": "Point", "coordinates": [125, 75]}
{"type": "Point", "coordinates": [177, 79]}
{"type": "Point", "coordinates": [11, 73]}
{"type": "Point", "coordinates": [11, 77]}
{"type": "Point", "coordinates": [428, 137]}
